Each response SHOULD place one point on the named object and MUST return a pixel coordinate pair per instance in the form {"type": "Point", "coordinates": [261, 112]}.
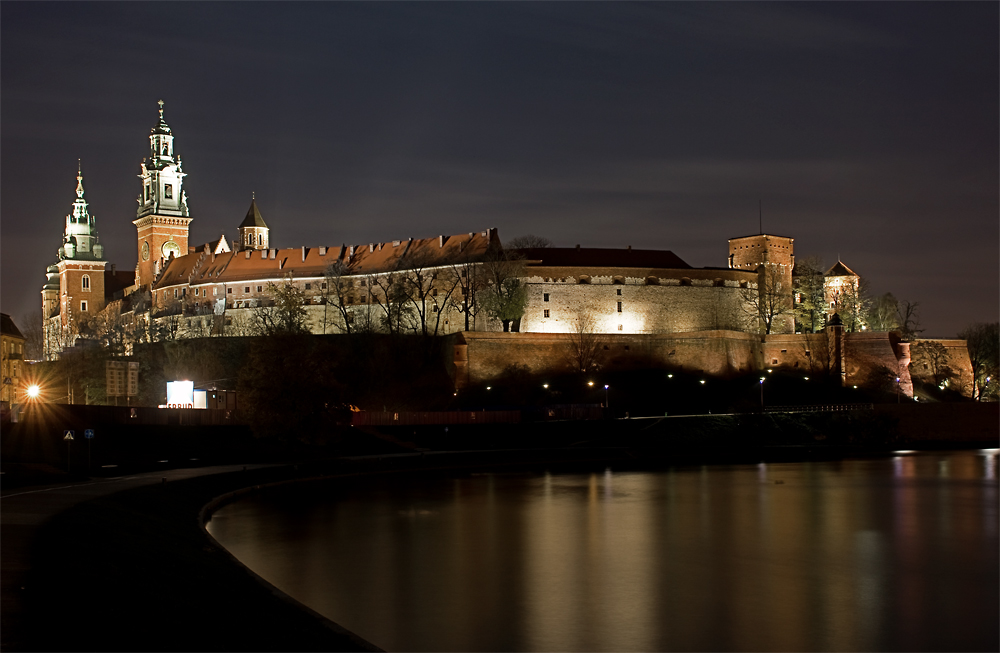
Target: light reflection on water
{"type": "Point", "coordinates": [896, 553]}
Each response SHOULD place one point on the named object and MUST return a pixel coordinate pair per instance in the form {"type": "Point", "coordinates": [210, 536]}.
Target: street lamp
{"type": "Point", "coordinates": [897, 389]}
{"type": "Point", "coordinates": [762, 394]}
{"type": "Point", "coordinates": [606, 403]}
{"type": "Point", "coordinates": [33, 391]}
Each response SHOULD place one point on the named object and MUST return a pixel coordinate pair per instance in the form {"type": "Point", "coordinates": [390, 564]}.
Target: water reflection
{"type": "Point", "coordinates": [851, 555]}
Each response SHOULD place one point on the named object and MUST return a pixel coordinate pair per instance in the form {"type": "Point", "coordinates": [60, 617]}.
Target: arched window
{"type": "Point", "coordinates": [85, 281]}
{"type": "Point", "coordinates": [250, 240]}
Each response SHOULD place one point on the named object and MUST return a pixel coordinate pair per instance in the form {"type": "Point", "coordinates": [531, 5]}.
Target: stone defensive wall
{"type": "Point", "coordinates": [481, 356]}
{"type": "Point", "coordinates": [934, 360]}
{"type": "Point", "coordinates": [635, 300]}
{"type": "Point", "coordinates": [858, 358]}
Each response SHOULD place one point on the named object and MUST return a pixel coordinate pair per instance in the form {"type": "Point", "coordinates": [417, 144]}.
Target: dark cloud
{"type": "Point", "coordinates": [869, 130]}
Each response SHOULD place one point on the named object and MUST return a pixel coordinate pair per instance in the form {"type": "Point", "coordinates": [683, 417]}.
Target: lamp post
{"type": "Point", "coordinates": [761, 395]}
{"type": "Point", "coordinates": [897, 389]}
{"type": "Point", "coordinates": [607, 404]}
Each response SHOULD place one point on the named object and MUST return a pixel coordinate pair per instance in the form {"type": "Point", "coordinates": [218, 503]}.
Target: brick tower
{"type": "Point", "coordinates": [162, 221]}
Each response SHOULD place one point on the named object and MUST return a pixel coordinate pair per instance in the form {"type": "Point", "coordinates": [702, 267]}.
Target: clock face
{"type": "Point", "coordinates": [170, 247]}
{"type": "Point", "coordinates": [145, 251]}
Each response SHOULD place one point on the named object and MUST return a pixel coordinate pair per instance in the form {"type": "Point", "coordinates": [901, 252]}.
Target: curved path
{"type": "Point", "coordinates": [123, 564]}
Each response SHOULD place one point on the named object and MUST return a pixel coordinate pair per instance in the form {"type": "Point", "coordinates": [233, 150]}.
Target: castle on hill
{"type": "Point", "coordinates": [434, 286]}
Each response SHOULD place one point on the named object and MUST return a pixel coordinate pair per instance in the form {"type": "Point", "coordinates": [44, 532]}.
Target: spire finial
{"type": "Point", "coordinates": [253, 196]}
{"type": "Point", "coordinates": [161, 109]}
{"type": "Point", "coordinates": [79, 179]}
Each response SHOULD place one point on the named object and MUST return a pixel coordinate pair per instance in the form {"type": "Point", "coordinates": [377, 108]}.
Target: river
{"type": "Point", "coordinates": [893, 553]}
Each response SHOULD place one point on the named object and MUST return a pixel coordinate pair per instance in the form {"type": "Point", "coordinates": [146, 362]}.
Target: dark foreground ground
{"type": "Point", "coordinates": [135, 570]}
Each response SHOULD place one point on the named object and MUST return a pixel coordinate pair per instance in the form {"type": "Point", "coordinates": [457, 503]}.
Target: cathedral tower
{"type": "Point", "coordinates": [80, 292]}
{"type": "Point", "coordinates": [162, 221]}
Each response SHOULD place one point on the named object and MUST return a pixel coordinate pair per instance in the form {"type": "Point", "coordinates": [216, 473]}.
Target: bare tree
{"type": "Point", "coordinates": [853, 305]}
{"type": "Point", "coordinates": [336, 292]}
{"type": "Point", "coordinates": [504, 295]}
{"type": "Point", "coordinates": [470, 281]}
{"type": "Point", "coordinates": [389, 292]}
{"type": "Point", "coordinates": [929, 360]}
{"type": "Point", "coordinates": [908, 319]}
{"type": "Point", "coordinates": [33, 330]}
{"type": "Point", "coordinates": [528, 241]}
{"type": "Point", "coordinates": [883, 314]}
{"type": "Point", "coordinates": [983, 342]}
{"type": "Point", "coordinates": [769, 300]}
{"type": "Point", "coordinates": [282, 310]}
{"type": "Point", "coordinates": [586, 344]}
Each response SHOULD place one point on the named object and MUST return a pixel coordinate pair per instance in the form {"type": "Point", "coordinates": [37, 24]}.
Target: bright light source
{"type": "Point", "coordinates": [545, 385]}
{"type": "Point", "coordinates": [590, 383]}
{"type": "Point", "coordinates": [34, 391]}
{"type": "Point", "coordinates": [489, 387]}
{"type": "Point", "coordinates": [605, 386]}
{"type": "Point", "coordinates": [806, 378]}
{"type": "Point", "coordinates": [769, 371]}
{"type": "Point", "coordinates": [702, 382]}
{"type": "Point", "coordinates": [761, 379]}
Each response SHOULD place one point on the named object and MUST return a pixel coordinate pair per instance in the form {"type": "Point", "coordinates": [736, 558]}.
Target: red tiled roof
{"type": "Point", "coordinates": [302, 262]}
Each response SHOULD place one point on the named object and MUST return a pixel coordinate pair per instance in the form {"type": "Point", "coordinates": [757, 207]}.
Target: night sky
{"type": "Point", "coordinates": [867, 130]}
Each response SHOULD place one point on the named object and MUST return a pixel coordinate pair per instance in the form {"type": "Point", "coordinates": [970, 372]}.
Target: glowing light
{"type": "Point", "coordinates": [590, 383]}
{"type": "Point", "coordinates": [769, 371]}
{"type": "Point", "coordinates": [761, 380]}
{"type": "Point", "coordinates": [670, 376]}
{"type": "Point", "coordinates": [702, 382]}
{"type": "Point", "coordinates": [545, 385]}
{"type": "Point", "coordinates": [489, 387]}
{"type": "Point", "coordinates": [34, 391]}
{"type": "Point", "coordinates": [806, 378]}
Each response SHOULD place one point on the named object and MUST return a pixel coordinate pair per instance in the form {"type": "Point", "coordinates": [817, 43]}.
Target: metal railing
{"type": "Point", "coordinates": [819, 408]}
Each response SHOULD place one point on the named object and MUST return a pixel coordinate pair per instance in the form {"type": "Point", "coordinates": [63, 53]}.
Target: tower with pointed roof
{"type": "Point", "coordinates": [74, 290]}
{"type": "Point", "coordinates": [162, 220]}
{"type": "Point", "coordinates": [253, 229]}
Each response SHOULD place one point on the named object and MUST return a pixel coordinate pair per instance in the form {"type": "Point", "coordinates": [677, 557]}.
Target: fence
{"type": "Point", "coordinates": [819, 408]}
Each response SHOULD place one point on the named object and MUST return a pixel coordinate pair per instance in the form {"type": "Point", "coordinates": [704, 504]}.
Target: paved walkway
{"type": "Point", "coordinates": [24, 510]}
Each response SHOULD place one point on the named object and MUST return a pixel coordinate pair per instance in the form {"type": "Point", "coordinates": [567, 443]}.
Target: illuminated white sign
{"type": "Point", "coordinates": [180, 394]}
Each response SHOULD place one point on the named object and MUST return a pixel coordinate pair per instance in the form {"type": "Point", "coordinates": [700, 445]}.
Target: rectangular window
{"type": "Point", "coordinates": [197, 291]}
{"type": "Point", "coordinates": [309, 286]}
{"type": "Point", "coordinates": [260, 288]}
{"type": "Point", "coordinates": [83, 306]}
{"type": "Point", "coordinates": [215, 291]}
{"type": "Point", "coordinates": [147, 192]}
{"type": "Point", "coordinates": [229, 291]}
{"type": "Point", "coordinates": [322, 286]}
{"type": "Point", "coordinates": [86, 282]}
{"type": "Point", "coordinates": [247, 289]}
{"type": "Point", "coordinates": [546, 314]}
{"type": "Point", "coordinates": [545, 297]}
{"type": "Point", "coordinates": [619, 307]}
{"type": "Point", "coordinates": [619, 291]}
{"type": "Point", "coordinates": [621, 327]}
{"type": "Point", "coordinates": [168, 191]}
{"type": "Point", "coordinates": [175, 293]}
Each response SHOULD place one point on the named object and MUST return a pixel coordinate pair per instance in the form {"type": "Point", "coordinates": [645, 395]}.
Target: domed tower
{"type": "Point", "coordinates": [80, 270]}
{"type": "Point", "coordinates": [253, 229]}
{"type": "Point", "coordinates": [162, 220]}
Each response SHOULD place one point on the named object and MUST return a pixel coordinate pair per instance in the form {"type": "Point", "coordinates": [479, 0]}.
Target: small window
{"type": "Point", "coordinates": [215, 292]}
{"type": "Point", "coordinates": [621, 327]}
{"type": "Point", "coordinates": [247, 289]}
{"type": "Point", "coordinates": [322, 286]}
{"type": "Point", "coordinates": [168, 191]}
{"type": "Point", "coordinates": [83, 306]}
{"type": "Point", "coordinates": [545, 313]}
{"type": "Point", "coordinates": [774, 361]}
{"type": "Point", "coordinates": [619, 292]}
{"type": "Point", "coordinates": [147, 192]}
{"type": "Point", "coordinates": [545, 297]}
{"type": "Point", "coordinates": [197, 291]}
{"type": "Point", "coordinates": [434, 293]}
{"type": "Point", "coordinates": [86, 282]}
{"type": "Point", "coordinates": [619, 307]}
{"type": "Point", "coordinates": [435, 309]}
{"type": "Point", "coordinates": [175, 293]}
{"type": "Point", "coordinates": [309, 286]}
{"type": "Point", "coordinates": [229, 291]}
{"type": "Point", "coordinates": [784, 351]}
{"type": "Point", "coordinates": [260, 288]}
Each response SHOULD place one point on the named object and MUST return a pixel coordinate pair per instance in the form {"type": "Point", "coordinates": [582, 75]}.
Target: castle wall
{"type": "Point", "coordinates": [634, 301]}
{"type": "Point", "coordinates": [936, 360]}
{"type": "Point", "coordinates": [481, 356]}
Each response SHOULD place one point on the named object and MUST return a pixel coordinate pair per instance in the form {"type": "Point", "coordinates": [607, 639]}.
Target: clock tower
{"type": "Point", "coordinates": [162, 220]}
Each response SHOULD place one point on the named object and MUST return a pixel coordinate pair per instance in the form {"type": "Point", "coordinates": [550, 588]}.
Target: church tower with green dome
{"type": "Point", "coordinates": [162, 220]}
{"type": "Point", "coordinates": [75, 286]}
